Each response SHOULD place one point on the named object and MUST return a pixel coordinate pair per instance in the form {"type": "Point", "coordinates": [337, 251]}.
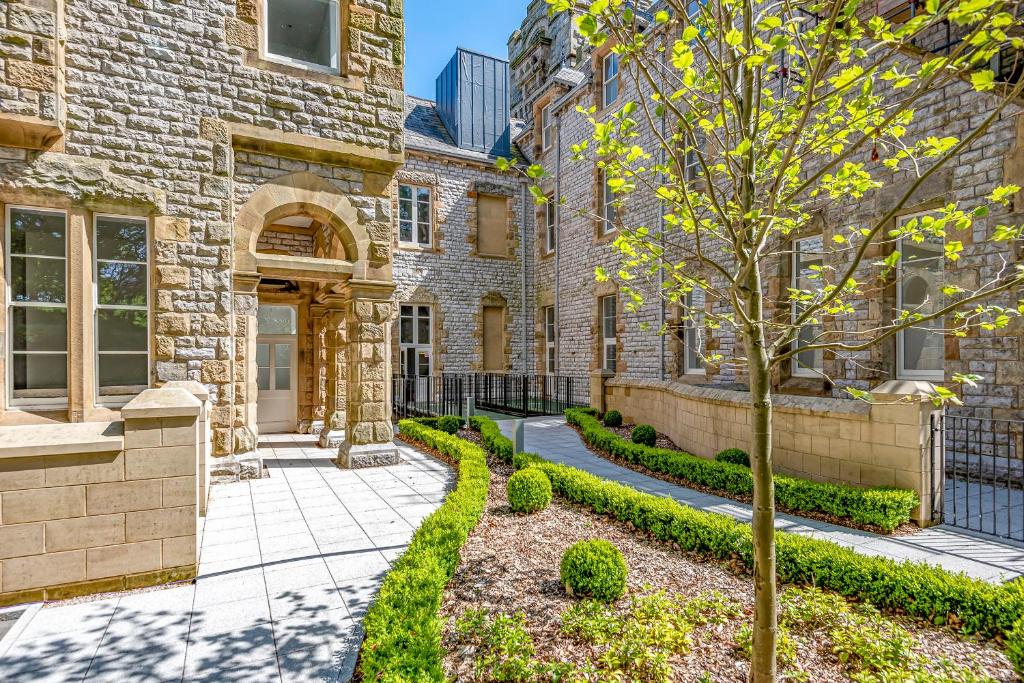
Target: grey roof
{"type": "Point", "coordinates": [424, 131]}
{"type": "Point", "coordinates": [570, 77]}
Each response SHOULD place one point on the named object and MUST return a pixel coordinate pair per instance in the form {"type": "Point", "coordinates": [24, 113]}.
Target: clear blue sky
{"type": "Point", "coordinates": [434, 28]}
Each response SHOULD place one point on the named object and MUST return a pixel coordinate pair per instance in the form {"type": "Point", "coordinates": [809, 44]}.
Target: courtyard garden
{"type": "Point", "coordinates": [533, 571]}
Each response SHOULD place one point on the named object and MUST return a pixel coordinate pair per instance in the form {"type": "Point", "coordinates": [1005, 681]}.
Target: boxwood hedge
{"type": "Point", "coordinates": [885, 508]}
{"type": "Point", "coordinates": [914, 588]}
{"type": "Point", "coordinates": [403, 629]}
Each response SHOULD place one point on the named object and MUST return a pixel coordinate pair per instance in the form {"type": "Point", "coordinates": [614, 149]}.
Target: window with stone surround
{"type": "Point", "coordinates": [691, 160]}
{"type": "Point", "coordinates": [493, 338]}
{"type": "Point", "coordinates": [547, 127]}
{"type": "Point", "coordinates": [121, 296]}
{"type": "Point", "coordinates": [920, 350]}
{"type": "Point", "coordinates": [303, 33]}
{"type": "Point", "coordinates": [415, 215]}
{"type": "Point", "coordinates": [693, 333]}
{"type": "Point", "coordinates": [806, 275]}
{"type": "Point", "coordinates": [607, 209]}
{"type": "Point", "coordinates": [492, 222]}
{"type": "Point", "coordinates": [550, 238]}
{"type": "Point", "coordinates": [415, 326]}
{"type": "Point", "coordinates": [609, 326]}
{"type": "Point", "coordinates": [609, 79]}
{"type": "Point", "coordinates": [549, 340]}
{"type": "Point", "coordinates": [37, 320]}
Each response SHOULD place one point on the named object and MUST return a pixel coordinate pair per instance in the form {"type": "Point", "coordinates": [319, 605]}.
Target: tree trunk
{"type": "Point", "coordinates": [762, 662]}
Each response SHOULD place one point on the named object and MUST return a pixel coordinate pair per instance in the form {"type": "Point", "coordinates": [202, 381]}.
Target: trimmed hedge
{"type": "Point", "coordinates": [529, 491]}
{"type": "Point", "coordinates": [736, 456]}
{"type": "Point", "coordinates": [449, 424]}
{"type": "Point", "coordinates": [613, 418]}
{"type": "Point", "coordinates": [885, 508]}
{"type": "Point", "coordinates": [914, 588]}
{"type": "Point", "coordinates": [403, 629]}
{"type": "Point", "coordinates": [594, 568]}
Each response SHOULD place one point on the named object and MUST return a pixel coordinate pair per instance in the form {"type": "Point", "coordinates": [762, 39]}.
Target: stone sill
{"type": "Point", "coordinates": [61, 439]}
{"type": "Point", "coordinates": [28, 132]}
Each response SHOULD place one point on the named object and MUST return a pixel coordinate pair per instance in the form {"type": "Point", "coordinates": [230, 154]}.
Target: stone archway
{"type": "Point", "coordinates": [353, 295]}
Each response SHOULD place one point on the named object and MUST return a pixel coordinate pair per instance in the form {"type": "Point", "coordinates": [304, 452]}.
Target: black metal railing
{"type": "Point", "coordinates": [984, 474]}
{"type": "Point", "coordinates": [513, 394]}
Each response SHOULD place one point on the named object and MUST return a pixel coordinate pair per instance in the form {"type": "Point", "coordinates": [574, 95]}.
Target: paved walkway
{"type": "Point", "coordinates": [942, 545]}
{"type": "Point", "coordinates": [288, 566]}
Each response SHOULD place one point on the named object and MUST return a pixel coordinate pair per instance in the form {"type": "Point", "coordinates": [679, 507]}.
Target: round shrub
{"type": "Point", "coordinates": [1015, 647]}
{"type": "Point", "coordinates": [529, 490]}
{"type": "Point", "coordinates": [735, 456]}
{"type": "Point", "coordinates": [613, 418]}
{"type": "Point", "coordinates": [644, 435]}
{"type": "Point", "coordinates": [594, 568]}
{"type": "Point", "coordinates": [450, 424]}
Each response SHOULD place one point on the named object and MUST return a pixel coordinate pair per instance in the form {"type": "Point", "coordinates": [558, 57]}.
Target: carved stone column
{"type": "Point", "coordinates": [335, 337]}
{"type": "Point", "coordinates": [318, 381]}
{"type": "Point", "coordinates": [369, 435]}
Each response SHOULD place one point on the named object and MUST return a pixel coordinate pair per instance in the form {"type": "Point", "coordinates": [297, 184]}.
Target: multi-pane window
{"type": "Point", "coordinates": [609, 212]}
{"type": "Point", "coordinates": [38, 315]}
{"type": "Point", "coordinates": [414, 332]}
{"type": "Point", "coordinates": [547, 127]}
{"type": "Point", "coordinates": [303, 33]}
{"type": "Point", "coordinates": [121, 272]}
{"type": "Point", "coordinates": [807, 262]}
{"type": "Point", "coordinates": [277, 326]}
{"type": "Point", "coordinates": [920, 350]}
{"type": "Point", "coordinates": [693, 333]}
{"type": "Point", "coordinates": [610, 80]}
{"type": "Point", "coordinates": [609, 323]}
{"type": "Point", "coordinates": [550, 240]}
{"type": "Point", "coordinates": [691, 161]}
{"type": "Point", "coordinates": [414, 215]}
{"type": "Point", "coordinates": [549, 340]}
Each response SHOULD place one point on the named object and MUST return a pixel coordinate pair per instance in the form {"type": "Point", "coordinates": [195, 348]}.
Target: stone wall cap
{"type": "Point", "coordinates": [808, 404]}
{"type": "Point", "coordinates": [191, 386]}
{"type": "Point", "coordinates": [162, 402]}
{"type": "Point", "coordinates": [905, 387]}
{"type": "Point", "coordinates": [61, 439]}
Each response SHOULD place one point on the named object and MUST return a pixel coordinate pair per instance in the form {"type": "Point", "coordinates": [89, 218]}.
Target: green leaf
{"type": "Point", "coordinates": [983, 80]}
{"type": "Point", "coordinates": [733, 37]}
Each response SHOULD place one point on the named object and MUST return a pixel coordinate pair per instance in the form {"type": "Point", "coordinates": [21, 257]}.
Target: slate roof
{"type": "Point", "coordinates": [425, 132]}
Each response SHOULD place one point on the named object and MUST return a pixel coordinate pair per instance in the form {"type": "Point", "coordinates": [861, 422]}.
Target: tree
{"type": "Point", "coordinates": [752, 115]}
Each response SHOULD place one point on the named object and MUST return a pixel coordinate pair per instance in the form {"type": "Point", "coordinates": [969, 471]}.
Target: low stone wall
{"type": "Point", "coordinates": [95, 507]}
{"type": "Point", "coordinates": [885, 443]}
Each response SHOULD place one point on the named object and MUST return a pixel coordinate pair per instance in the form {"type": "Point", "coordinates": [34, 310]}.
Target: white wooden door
{"type": "Point", "coordinates": [275, 377]}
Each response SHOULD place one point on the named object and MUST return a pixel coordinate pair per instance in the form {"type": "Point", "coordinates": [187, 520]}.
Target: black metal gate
{"type": "Point", "coordinates": [512, 394]}
{"type": "Point", "coordinates": [983, 473]}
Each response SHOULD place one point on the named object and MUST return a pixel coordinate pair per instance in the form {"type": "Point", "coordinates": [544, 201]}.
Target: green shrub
{"type": "Point", "coordinates": [882, 507]}
{"type": "Point", "coordinates": [645, 435]}
{"type": "Point", "coordinates": [403, 628]}
{"type": "Point", "coordinates": [594, 568]}
{"type": "Point", "coordinates": [1015, 647]}
{"type": "Point", "coordinates": [734, 456]}
{"type": "Point", "coordinates": [612, 418]}
{"type": "Point", "coordinates": [529, 490]}
{"type": "Point", "coordinates": [449, 424]}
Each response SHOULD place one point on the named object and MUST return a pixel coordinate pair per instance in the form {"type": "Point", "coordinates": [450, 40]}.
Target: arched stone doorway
{"type": "Point", "coordinates": [300, 242]}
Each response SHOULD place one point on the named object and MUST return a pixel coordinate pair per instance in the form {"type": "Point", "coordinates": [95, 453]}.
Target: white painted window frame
{"type": "Point", "coordinates": [113, 400]}
{"type": "Point", "coordinates": [547, 127]}
{"type": "Point", "coordinates": [795, 369]}
{"type": "Point", "coordinates": [550, 353]}
{"type": "Point", "coordinates": [901, 371]}
{"type": "Point", "coordinates": [693, 361]}
{"type": "Point", "coordinates": [550, 224]}
{"type": "Point", "coordinates": [335, 19]}
{"type": "Point", "coordinates": [415, 213]}
{"type": "Point", "coordinates": [609, 341]}
{"type": "Point", "coordinates": [609, 80]}
{"type": "Point", "coordinates": [416, 346]}
{"type": "Point", "coordinates": [609, 212]}
{"type": "Point", "coordinates": [48, 402]}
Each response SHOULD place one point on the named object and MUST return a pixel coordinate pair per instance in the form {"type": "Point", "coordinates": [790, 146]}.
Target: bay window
{"type": "Point", "coordinates": [303, 33]}
{"type": "Point", "coordinates": [920, 350]}
{"type": "Point", "coordinates": [37, 306]}
{"type": "Point", "coordinates": [121, 279]}
{"type": "Point", "coordinates": [807, 262]}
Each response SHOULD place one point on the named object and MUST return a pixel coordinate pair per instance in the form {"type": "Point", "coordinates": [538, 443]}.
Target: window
{"type": "Point", "coordinates": [609, 212]}
{"type": "Point", "coordinates": [550, 237]}
{"type": "Point", "coordinates": [807, 262]}
{"type": "Point", "coordinates": [38, 316]}
{"type": "Point", "coordinates": [693, 333]}
{"type": "Point", "coordinates": [920, 350]}
{"type": "Point", "coordinates": [549, 340]}
{"type": "Point", "coordinates": [121, 276]}
{"type": "Point", "coordinates": [414, 340]}
{"type": "Point", "coordinates": [691, 162]}
{"type": "Point", "coordinates": [492, 225]}
{"type": "Point", "coordinates": [547, 127]}
{"type": "Point", "coordinates": [275, 347]}
{"type": "Point", "coordinates": [303, 33]}
{"type": "Point", "coordinates": [610, 81]}
{"type": "Point", "coordinates": [494, 338]}
{"type": "Point", "coordinates": [608, 331]}
{"type": "Point", "coordinates": [415, 223]}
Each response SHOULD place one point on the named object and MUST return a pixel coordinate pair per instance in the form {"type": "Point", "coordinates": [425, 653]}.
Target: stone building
{"type": "Point", "coordinates": [240, 194]}
{"type": "Point", "coordinates": [581, 325]}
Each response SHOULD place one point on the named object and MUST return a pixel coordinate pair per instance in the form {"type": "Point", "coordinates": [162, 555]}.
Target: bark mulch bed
{"type": "Point", "coordinates": [510, 564]}
{"type": "Point", "coordinates": [626, 432]}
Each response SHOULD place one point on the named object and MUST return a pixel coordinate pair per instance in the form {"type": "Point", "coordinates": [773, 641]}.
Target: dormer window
{"type": "Point", "coordinates": [303, 33]}
{"type": "Point", "coordinates": [610, 71]}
